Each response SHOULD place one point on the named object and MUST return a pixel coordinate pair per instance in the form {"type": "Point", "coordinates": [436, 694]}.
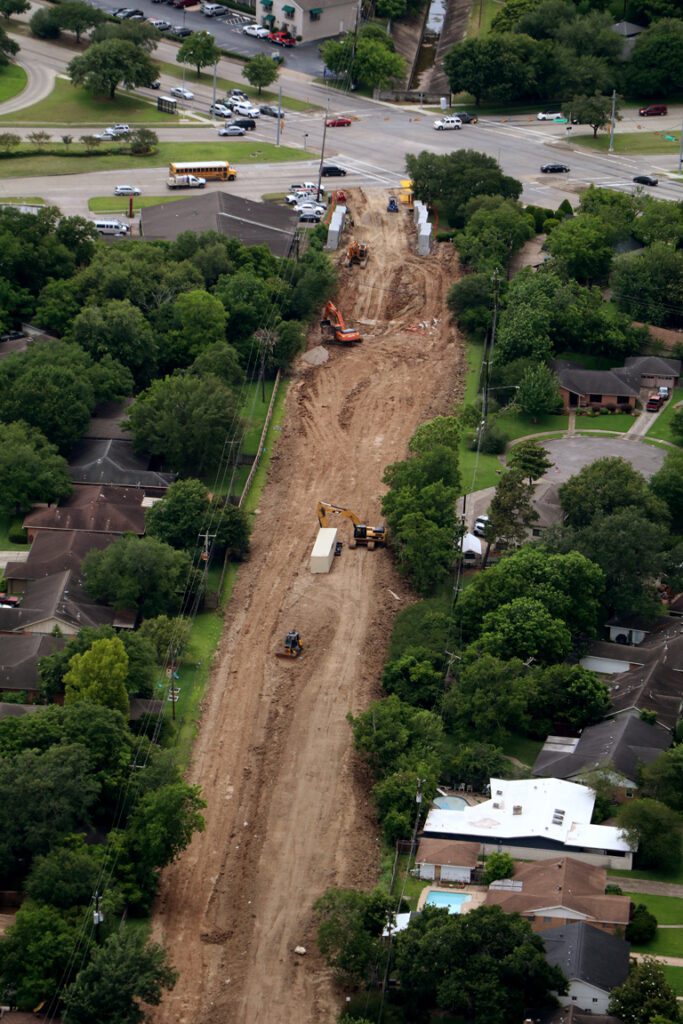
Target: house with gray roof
{"type": "Point", "coordinates": [652, 372]}
{"type": "Point", "coordinates": [19, 657]}
{"type": "Point", "coordinates": [619, 747]}
{"type": "Point", "coordinates": [96, 509]}
{"type": "Point", "coordinates": [60, 602]}
{"type": "Point", "coordinates": [54, 551]}
{"type": "Point", "coordinates": [595, 389]}
{"type": "Point", "coordinates": [114, 462]}
{"type": "Point", "coordinates": [593, 961]}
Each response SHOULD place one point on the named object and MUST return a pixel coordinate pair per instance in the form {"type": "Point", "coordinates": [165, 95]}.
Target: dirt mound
{"type": "Point", "coordinates": [288, 811]}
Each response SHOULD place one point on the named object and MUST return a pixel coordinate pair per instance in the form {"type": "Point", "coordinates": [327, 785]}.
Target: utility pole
{"type": "Point", "coordinates": [213, 101]}
{"type": "Point", "coordinates": [322, 151]}
{"type": "Point", "coordinates": [97, 915]}
{"type": "Point", "coordinates": [279, 115]}
{"type": "Point", "coordinates": [680, 153]}
{"type": "Point", "coordinates": [612, 123]}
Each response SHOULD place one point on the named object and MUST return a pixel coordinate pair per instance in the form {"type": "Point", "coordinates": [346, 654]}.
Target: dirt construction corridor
{"type": "Point", "coordinates": [288, 808]}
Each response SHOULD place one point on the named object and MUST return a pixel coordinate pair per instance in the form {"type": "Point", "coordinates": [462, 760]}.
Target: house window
{"type": "Point", "coordinates": [595, 1000]}
{"type": "Point", "coordinates": [546, 919]}
{"type": "Point", "coordinates": [629, 794]}
{"type": "Point", "coordinates": [315, 13]}
{"type": "Point", "coordinates": [574, 998]}
{"type": "Point", "coordinates": [595, 398]}
{"type": "Point", "coordinates": [622, 399]}
{"type": "Point", "coordinates": [536, 533]}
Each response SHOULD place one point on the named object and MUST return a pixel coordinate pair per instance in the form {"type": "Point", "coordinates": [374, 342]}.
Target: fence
{"type": "Point", "coordinates": [261, 443]}
{"type": "Point", "coordinates": [403, 846]}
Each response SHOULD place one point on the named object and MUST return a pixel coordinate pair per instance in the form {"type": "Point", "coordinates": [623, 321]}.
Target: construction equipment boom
{"type": "Point", "coordinates": [364, 536]}
{"type": "Point", "coordinates": [333, 321]}
{"type": "Point", "coordinates": [357, 252]}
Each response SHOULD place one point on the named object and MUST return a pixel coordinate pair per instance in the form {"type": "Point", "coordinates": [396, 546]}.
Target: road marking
{"type": "Point", "coordinates": [385, 176]}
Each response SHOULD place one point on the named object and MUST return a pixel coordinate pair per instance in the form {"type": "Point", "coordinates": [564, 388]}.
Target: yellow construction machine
{"type": "Point", "coordinates": [293, 645]}
{"type": "Point", "coordinates": [357, 252]}
{"type": "Point", "coordinates": [363, 536]}
{"type": "Point", "coordinates": [334, 328]}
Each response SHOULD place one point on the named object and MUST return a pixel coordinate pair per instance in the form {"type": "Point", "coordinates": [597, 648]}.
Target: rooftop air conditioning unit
{"type": "Point", "coordinates": [517, 809]}
{"type": "Point", "coordinates": [496, 805]}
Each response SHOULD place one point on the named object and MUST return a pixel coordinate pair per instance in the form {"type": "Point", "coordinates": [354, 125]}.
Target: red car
{"type": "Point", "coordinates": [338, 122]}
{"type": "Point", "coordinates": [184, 3]}
{"type": "Point", "coordinates": [281, 39]}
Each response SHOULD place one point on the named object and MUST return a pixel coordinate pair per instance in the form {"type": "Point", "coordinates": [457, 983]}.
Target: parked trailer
{"type": "Point", "coordinates": [322, 555]}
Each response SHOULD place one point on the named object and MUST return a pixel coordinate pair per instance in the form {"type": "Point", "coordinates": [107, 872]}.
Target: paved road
{"type": "Point", "coordinates": [41, 80]}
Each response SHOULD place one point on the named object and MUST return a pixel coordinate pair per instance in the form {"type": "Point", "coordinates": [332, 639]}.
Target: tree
{"type": "Point", "coordinates": [649, 284]}
{"type": "Point", "coordinates": [395, 799]}
{"type": "Point", "coordinates": [105, 66]}
{"type": "Point", "coordinates": [170, 637]}
{"type": "Point", "coordinates": [414, 678]}
{"type": "Point", "coordinates": [654, 68]}
{"type": "Point", "coordinates": [178, 519]}
{"type": "Point", "coordinates": [425, 551]}
{"type": "Point", "coordinates": [31, 469]}
{"type": "Point", "coordinates": [392, 734]}
{"type": "Point", "coordinates": [470, 300]}
{"type": "Point", "coordinates": [44, 24]}
{"type": "Point", "coordinates": [10, 7]}
{"type": "Point", "coordinates": [140, 33]}
{"type": "Point", "coordinates": [645, 995]}
{"type": "Point", "coordinates": [530, 459]}
{"type": "Point", "coordinates": [667, 485]}
{"type": "Point", "coordinates": [510, 513]}
{"type": "Point", "coordinates": [65, 877]}
{"type": "Point", "coordinates": [499, 67]}
{"type": "Point", "coordinates": [350, 925]}
{"type": "Point", "coordinates": [498, 865]}
{"type": "Point", "coordinates": [8, 141]}
{"type": "Point", "coordinates": [677, 425]}
{"type": "Point", "coordinates": [376, 65]}
{"type": "Point", "coordinates": [604, 487]}
{"type": "Point", "coordinates": [260, 71]}
{"type": "Point", "coordinates": [8, 48]}
{"type": "Point", "coordinates": [76, 16]}
{"type": "Point", "coordinates": [123, 972]}
{"type": "Point", "coordinates": [187, 421]}
{"type": "Point", "coordinates": [119, 329]}
{"type": "Point", "coordinates": [39, 139]}
{"type": "Point", "coordinates": [663, 779]}
{"type": "Point", "coordinates": [539, 392]}
{"type": "Point", "coordinates": [642, 927]}
{"type": "Point", "coordinates": [391, 9]}
{"type": "Point", "coordinates": [138, 573]}
{"type": "Point", "coordinates": [200, 50]}
{"type": "Point", "coordinates": [581, 244]}
{"type": "Point", "coordinates": [475, 763]}
{"type": "Point", "coordinates": [454, 178]}
{"type": "Point", "coordinates": [163, 823]}
{"type": "Point", "coordinates": [143, 141]}
{"type": "Point", "coordinates": [99, 676]}
{"type": "Point", "coordinates": [199, 320]}
{"type": "Point", "coordinates": [495, 229]}
{"type": "Point", "coordinates": [659, 223]}
{"type": "Point", "coordinates": [594, 110]}
{"type": "Point", "coordinates": [568, 694]}
{"type": "Point", "coordinates": [36, 954]}
{"type": "Point", "coordinates": [219, 360]}
{"type": "Point", "coordinates": [507, 17]}
{"type": "Point", "coordinates": [484, 966]}
{"type": "Point", "coordinates": [488, 700]}
{"type": "Point", "coordinates": [525, 629]}
{"type": "Point", "coordinates": [653, 828]}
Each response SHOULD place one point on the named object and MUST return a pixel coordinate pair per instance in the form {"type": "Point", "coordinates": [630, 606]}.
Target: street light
{"type": "Point", "coordinates": [305, 137]}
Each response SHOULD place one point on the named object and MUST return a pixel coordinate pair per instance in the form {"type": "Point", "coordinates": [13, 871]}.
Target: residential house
{"type": "Point", "coordinates": [309, 20]}
{"type": "Point", "coordinates": [573, 1015]}
{"type": "Point", "coordinates": [555, 893]}
{"type": "Point", "coordinates": [443, 860]}
{"type": "Point", "coordinates": [106, 423]}
{"type": "Point", "coordinates": [17, 711]}
{"type": "Point", "coordinates": [59, 602]}
{"type": "Point", "coordinates": [634, 629]}
{"type": "Point", "coordinates": [54, 551]}
{"type": "Point", "coordinates": [651, 372]}
{"type": "Point", "coordinates": [535, 819]}
{"type": "Point", "coordinates": [618, 747]}
{"type": "Point", "coordinates": [628, 32]}
{"type": "Point", "coordinates": [251, 222]}
{"type": "Point", "coordinates": [594, 389]}
{"type": "Point", "coordinates": [593, 962]}
{"type": "Point", "coordinates": [96, 509]}
{"type": "Point", "coordinates": [19, 657]}
{"type": "Point", "coordinates": [114, 462]}
{"type": "Point", "coordinates": [546, 503]}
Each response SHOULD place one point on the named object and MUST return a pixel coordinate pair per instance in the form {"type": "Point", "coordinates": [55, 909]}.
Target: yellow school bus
{"type": "Point", "coordinates": [212, 170]}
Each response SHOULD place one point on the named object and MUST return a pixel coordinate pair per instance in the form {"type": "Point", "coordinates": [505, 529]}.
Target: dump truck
{"type": "Point", "coordinates": [370, 537]}
{"type": "Point", "coordinates": [333, 327]}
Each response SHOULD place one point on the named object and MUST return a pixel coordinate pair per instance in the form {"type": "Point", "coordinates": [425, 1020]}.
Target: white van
{"type": "Point", "coordinates": [111, 227]}
{"type": "Point", "coordinates": [448, 124]}
{"type": "Point", "coordinates": [211, 10]}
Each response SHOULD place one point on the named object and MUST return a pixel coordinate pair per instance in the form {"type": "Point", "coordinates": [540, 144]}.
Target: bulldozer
{"type": "Point", "coordinates": [370, 537]}
{"type": "Point", "coordinates": [357, 252]}
{"type": "Point", "coordinates": [293, 645]}
{"type": "Point", "coordinates": [333, 327]}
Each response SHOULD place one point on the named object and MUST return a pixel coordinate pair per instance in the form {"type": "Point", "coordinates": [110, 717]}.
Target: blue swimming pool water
{"type": "Point", "coordinates": [450, 803]}
{"type": "Point", "coordinates": [452, 900]}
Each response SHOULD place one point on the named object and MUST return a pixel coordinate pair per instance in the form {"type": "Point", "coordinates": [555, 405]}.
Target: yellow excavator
{"type": "Point", "coordinates": [357, 252]}
{"type": "Point", "coordinates": [333, 327]}
{"type": "Point", "coordinates": [293, 645]}
{"type": "Point", "coordinates": [370, 537]}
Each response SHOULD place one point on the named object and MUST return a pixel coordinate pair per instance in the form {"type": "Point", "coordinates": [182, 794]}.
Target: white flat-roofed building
{"type": "Point", "coordinates": [534, 819]}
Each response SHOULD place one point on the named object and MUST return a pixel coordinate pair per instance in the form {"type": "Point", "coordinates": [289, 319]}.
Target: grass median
{"type": "Point", "coordinates": [13, 80]}
{"type": "Point", "coordinates": [67, 106]}
{"type": "Point", "coordinates": [27, 162]}
{"type": "Point", "coordinates": [633, 142]}
{"type": "Point", "coordinates": [119, 204]}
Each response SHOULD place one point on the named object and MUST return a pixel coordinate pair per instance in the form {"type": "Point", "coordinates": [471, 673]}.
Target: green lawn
{"type": "Point", "coordinates": [524, 749]}
{"type": "Point", "coordinates": [413, 886]}
{"type": "Point", "coordinates": [224, 85]}
{"type": "Point", "coordinates": [667, 909]}
{"type": "Point", "coordinates": [6, 523]}
{"type": "Point", "coordinates": [28, 163]}
{"type": "Point", "coordinates": [633, 142]}
{"type": "Point", "coordinates": [615, 421]}
{"type": "Point", "coordinates": [70, 106]}
{"type": "Point", "coordinates": [667, 942]}
{"type": "Point", "coordinates": [653, 876]}
{"type": "Point", "coordinates": [23, 200]}
{"type": "Point", "coordinates": [674, 975]}
{"type": "Point", "coordinates": [482, 14]}
{"type": "Point", "coordinates": [119, 204]}
{"type": "Point", "coordinates": [12, 80]}
{"type": "Point", "coordinates": [661, 428]}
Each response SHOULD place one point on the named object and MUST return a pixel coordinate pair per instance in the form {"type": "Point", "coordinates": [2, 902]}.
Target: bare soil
{"type": "Point", "coordinates": [289, 809]}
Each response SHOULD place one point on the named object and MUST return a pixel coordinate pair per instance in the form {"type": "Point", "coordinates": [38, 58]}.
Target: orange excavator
{"type": "Point", "coordinates": [334, 328]}
{"type": "Point", "coordinates": [357, 252]}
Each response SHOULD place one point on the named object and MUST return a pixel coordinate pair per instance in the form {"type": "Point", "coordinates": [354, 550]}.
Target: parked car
{"type": "Point", "coordinates": [301, 197]}
{"type": "Point", "coordinates": [159, 24]}
{"type": "Point", "coordinates": [654, 110]}
{"type": "Point", "coordinates": [655, 402]}
{"type": "Point", "coordinates": [127, 190]}
{"type": "Point", "coordinates": [333, 171]}
{"type": "Point", "coordinates": [182, 92]}
{"type": "Point", "coordinates": [309, 217]}
{"type": "Point", "coordinates": [184, 3]}
{"type": "Point", "coordinates": [248, 123]}
{"type": "Point", "coordinates": [246, 109]}
{"type": "Point", "coordinates": [646, 179]}
{"type": "Point", "coordinates": [181, 31]}
{"type": "Point", "coordinates": [306, 186]}
{"type": "Point", "coordinates": [480, 524]}
{"type": "Point", "coordinates": [664, 392]}
{"type": "Point", "coordinates": [555, 169]}
{"type": "Point", "coordinates": [258, 31]}
{"type": "Point", "coordinates": [231, 129]}
{"type": "Point", "coordinates": [220, 110]}
{"type": "Point", "coordinates": [122, 12]}
{"type": "Point", "coordinates": [11, 336]}
{"type": "Point", "coordinates": [305, 207]}
{"type": "Point", "coordinates": [448, 124]}
{"type": "Point", "coordinates": [237, 94]}
{"type": "Point", "coordinates": [119, 129]}
{"type": "Point", "coordinates": [281, 39]}
{"type": "Point", "coordinates": [338, 122]}
{"type": "Point", "coordinates": [269, 111]}
{"type": "Point", "coordinates": [213, 10]}
{"type": "Point", "coordinates": [548, 115]}
{"type": "Point", "coordinates": [9, 600]}
{"type": "Point", "coordinates": [467, 118]}
{"type": "Point", "coordinates": [156, 85]}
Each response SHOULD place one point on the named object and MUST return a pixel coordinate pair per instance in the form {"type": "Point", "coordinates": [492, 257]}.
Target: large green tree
{"type": "Point", "coordinates": [120, 975]}
{"type": "Point", "coordinates": [260, 71]}
{"type": "Point", "coordinates": [164, 822]}
{"type": "Point", "coordinates": [655, 67]}
{"type": "Point", "coordinates": [595, 110]}
{"type": "Point", "coordinates": [524, 628]}
{"type": "Point", "coordinates": [105, 66]}
{"type": "Point", "coordinates": [414, 678]}
{"type": "Point", "coordinates": [350, 925]}
{"type": "Point", "coordinates": [31, 469]}
{"type": "Point", "coordinates": [645, 996]}
{"type": "Point", "coordinates": [530, 459]}
{"type": "Point", "coordinates": [604, 487]}
{"type": "Point", "coordinates": [65, 877]}
{"type": "Point", "coordinates": [667, 485]}
{"type": "Point", "coordinates": [199, 50]}
{"type": "Point", "coordinates": [648, 285]}
{"type": "Point", "coordinates": [99, 676]}
{"type": "Point", "coordinates": [119, 329]}
{"type": "Point", "coordinates": [77, 16]}
{"type": "Point", "coordinates": [539, 392]}
{"type": "Point", "coordinates": [199, 320]}
{"type": "Point", "coordinates": [36, 955]}
{"type": "Point", "coordinates": [137, 573]}
{"type": "Point", "coordinates": [169, 636]}
{"type": "Point", "coordinates": [8, 48]}
{"type": "Point", "coordinates": [488, 700]}
{"type": "Point", "coordinates": [510, 512]}
{"type": "Point", "coordinates": [499, 67]}
{"type": "Point", "coordinates": [663, 779]}
{"type": "Point", "coordinates": [452, 179]}
{"type": "Point", "coordinates": [10, 7]}
{"type": "Point", "coordinates": [495, 229]}
{"type": "Point", "coordinates": [581, 245]}
{"type": "Point", "coordinates": [654, 829]}
{"type": "Point", "coordinates": [392, 735]}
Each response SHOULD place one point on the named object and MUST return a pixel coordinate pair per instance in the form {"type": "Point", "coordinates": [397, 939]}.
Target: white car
{"type": "Point", "coordinates": [310, 208]}
{"type": "Point", "coordinates": [159, 24]}
{"type": "Point", "coordinates": [220, 110]}
{"type": "Point", "coordinates": [448, 124]}
{"type": "Point", "coordinates": [255, 30]}
{"type": "Point", "coordinates": [480, 526]}
{"type": "Point", "coordinates": [182, 92]}
{"type": "Point", "coordinates": [246, 109]}
{"type": "Point", "coordinates": [306, 186]}
{"type": "Point", "coordinates": [127, 190]}
{"type": "Point", "coordinates": [232, 129]}
{"type": "Point", "coordinates": [548, 115]}
{"type": "Point", "coordinates": [305, 196]}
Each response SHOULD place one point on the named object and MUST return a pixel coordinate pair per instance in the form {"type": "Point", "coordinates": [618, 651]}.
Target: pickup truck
{"type": "Point", "coordinates": [654, 402]}
{"type": "Point", "coordinates": [185, 181]}
{"type": "Point", "coordinates": [448, 124]}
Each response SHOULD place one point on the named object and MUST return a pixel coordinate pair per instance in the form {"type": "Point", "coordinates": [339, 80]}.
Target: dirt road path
{"type": "Point", "coordinates": [288, 810]}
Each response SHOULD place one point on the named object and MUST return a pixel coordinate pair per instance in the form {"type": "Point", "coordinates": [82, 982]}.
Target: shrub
{"type": "Point", "coordinates": [493, 441]}
{"type": "Point", "coordinates": [550, 224]}
{"type": "Point", "coordinates": [540, 215]}
{"type": "Point", "coordinates": [613, 890]}
{"type": "Point", "coordinates": [642, 927]}
{"type": "Point", "coordinates": [45, 25]}
{"type": "Point", "coordinates": [17, 534]}
{"type": "Point", "coordinates": [445, 236]}
{"type": "Point", "coordinates": [498, 865]}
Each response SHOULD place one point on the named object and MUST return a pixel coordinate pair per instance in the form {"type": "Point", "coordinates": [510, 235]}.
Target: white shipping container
{"type": "Point", "coordinates": [322, 555]}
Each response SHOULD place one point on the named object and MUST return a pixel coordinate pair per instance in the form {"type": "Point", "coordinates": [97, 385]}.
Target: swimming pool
{"type": "Point", "coordinates": [452, 900]}
{"type": "Point", "coordinates": [450, 803]}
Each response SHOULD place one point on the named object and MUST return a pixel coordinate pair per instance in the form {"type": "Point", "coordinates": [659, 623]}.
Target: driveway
{"type": "Point", "coordinates": [571, 454]}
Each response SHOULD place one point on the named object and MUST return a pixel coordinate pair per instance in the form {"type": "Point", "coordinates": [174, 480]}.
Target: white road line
{"type": "Point", "coordinates": [385, 175]}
